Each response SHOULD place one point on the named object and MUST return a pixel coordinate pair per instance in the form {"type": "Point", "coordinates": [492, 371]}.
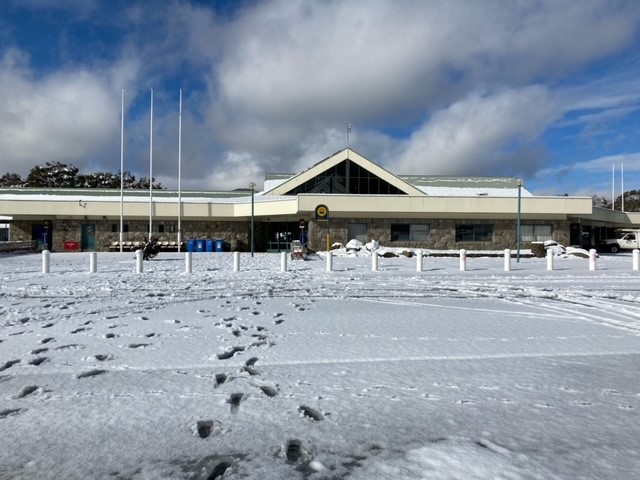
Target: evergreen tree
{"type": "Point", "coordinates": [11, 180]}
{"type": "Point", "coordinates": [53, 175]}
{"type": "Point", "coordinates": [61, 175]}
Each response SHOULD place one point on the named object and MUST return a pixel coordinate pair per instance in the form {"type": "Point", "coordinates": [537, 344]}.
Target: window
{"type": "Point", "coordinates": [115, 227]}
{"type": "Point", "coordinates": [474, 233]}
{"type": "Point", "coordinates": [409, 232]}
{"type": "Point", "coordinates": [535, 233]}
{"type": "Point", "coordinates": [358, 231]}
{"type": "Point", "coordinates": [160, 228]}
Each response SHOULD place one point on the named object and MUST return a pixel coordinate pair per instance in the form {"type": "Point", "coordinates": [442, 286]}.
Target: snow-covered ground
{"type": "Point", "coordinates": [263, 374]}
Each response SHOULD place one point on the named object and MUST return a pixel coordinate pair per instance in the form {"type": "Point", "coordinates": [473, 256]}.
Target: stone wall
{"type": "Point", "coordinates": [236, 234]}
{"type": "Point", "coordinates": [442, 233]}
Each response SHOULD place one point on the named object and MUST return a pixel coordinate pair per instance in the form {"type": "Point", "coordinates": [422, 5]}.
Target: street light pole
{"type": "Point", "coordinates": [518, 232]}
{"type": "Point", "coordinates": [253, 192]}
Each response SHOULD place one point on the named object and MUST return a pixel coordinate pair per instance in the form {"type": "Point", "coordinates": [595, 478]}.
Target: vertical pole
{"type": "Point", "coordinates": [93, 262]}
{"type": "Point", "coordinates": [122, 173]}
{"type": "Point", "coordinates": [374, 261]}
{"type": "Point", "coordinates": [463, 260]}
{"type": "Point", "coordinates": [549, 259]}
{"type": "Point", "coordinates": [328, 237]}
{"type": "Point", "coordinates": [592, 259]}
{"type": "Point", "coordinates": [139, 261]}
{"type": "Point", "coordinates": [236, 261]}
{"type": "Point", "coordinates": [151, 169]}
{"type": "Point", "coordinates": [507, 260]}
{"type": "Point", "coordinates": [253, 192]}
{"type": "Point", "coordinates": [622, 186]}
{"type": "Point", "coordinates": [613, 186]}
{"type": "Point", "coordinates": [636, 259]}
{"type": "Point", "coordinates": [179, 239]}
{"type": "Point", "coordinates": [329, 261]}
{"type": "Point", "coordinates": [518, 232]}
{"type": "Point", "coordinates": [283, 261]}
{"type": "Point", "coordinates": [188, 259]}
{"type": "Point", "coordinates": [419, 261]}
{"type": "Point", "coordinates": [46, 261]}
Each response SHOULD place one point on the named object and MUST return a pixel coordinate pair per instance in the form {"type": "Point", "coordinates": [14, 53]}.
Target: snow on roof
{"type": "Point", "coordinates": [474, 192]}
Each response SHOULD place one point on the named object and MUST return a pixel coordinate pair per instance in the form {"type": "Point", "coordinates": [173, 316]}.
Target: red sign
{"type": "Point", "coordinates": [71, 245]}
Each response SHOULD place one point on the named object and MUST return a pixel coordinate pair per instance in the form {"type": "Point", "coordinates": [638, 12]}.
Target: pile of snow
{"type": "Point", "coordinates": [355, 248]}
{"type": "Point", "coordinates": [562, 251]}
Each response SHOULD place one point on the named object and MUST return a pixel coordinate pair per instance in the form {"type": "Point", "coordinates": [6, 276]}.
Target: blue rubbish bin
{"type": "Point", "coordinates": [200, 246]}
{"type": "Point", "coordinates": [210, 246]}
{"type": "Point", "coordinates": [219, 245]}
{"type": "Point", "coordinates": [191, 246]}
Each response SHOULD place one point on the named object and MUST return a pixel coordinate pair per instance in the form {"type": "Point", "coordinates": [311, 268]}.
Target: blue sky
{"type": "Point", "coordinates": [544, 90]}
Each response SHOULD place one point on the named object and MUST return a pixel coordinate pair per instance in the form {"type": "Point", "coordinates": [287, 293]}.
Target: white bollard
{"type": "Point", "coordinates": [236, 261]}
{"type": "Point", "coordinates": [507, 260]}
{"type": "Point", "coordinates": [139, 261]}
{"type": "Point", "coordinates": [46, 261]}
{"type": "Point", "coordinates": [283, 261]}
{"type": "Point", "coordinates": [549, 259]}
{"type": "Point", "coordinates": [374, 262]}
{"type": "Point", "coordinates": [329, 261]}
{"type": "Point", "coordinates": [463, 260]}
{"type": "Point", "coordinates": [419, 261]}
{"type": "Point", "coordinates": [636, 259]}
{"type": "Point", "coordinates": [93, 262]}
{"type": "Point", "coordinates": [188, 262]}
{"type": "Point", "coordinates": [592, 259]}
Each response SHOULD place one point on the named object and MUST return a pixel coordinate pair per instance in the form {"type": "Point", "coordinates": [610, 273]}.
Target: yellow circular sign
{"type": "Point", "coordinates": [322, 211]}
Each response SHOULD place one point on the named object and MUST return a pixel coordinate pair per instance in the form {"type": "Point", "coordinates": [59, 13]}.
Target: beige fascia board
{"type": "Point", "coordinates": [428, 206]}
{"type": "Point", "coordinates": [270, 208]}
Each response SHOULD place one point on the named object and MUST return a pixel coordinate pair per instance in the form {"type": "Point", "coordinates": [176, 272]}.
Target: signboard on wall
{"type": "Point", "coordinates": [322, 213]}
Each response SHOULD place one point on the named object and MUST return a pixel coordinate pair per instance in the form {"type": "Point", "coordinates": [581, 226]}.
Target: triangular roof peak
{"type": "Point", "coordinates": [345, 172]}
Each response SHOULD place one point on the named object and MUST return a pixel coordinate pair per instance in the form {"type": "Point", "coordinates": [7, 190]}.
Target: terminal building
{"type": "Point", "coordinates": [342, 197]}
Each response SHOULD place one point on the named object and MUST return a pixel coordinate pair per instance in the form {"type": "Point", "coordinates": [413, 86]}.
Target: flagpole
{"type": "Point", "coordinates": [622, 183]}
{"type": "Point", "coordinates": [180, 173]}
{"type": "Point", "coordinates": [613, 187]}
{"type": "Point", "coordinates": [122, 172]}
{"type": "Point", "coordinates": [151, 169]}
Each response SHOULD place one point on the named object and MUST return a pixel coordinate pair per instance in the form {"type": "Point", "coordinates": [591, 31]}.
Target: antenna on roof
{"type": "Point", "coordinates": [348, 132]}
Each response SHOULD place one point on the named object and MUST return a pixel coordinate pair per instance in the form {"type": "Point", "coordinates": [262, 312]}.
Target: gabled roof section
{"type": "Point", "coordinates": [345, 172]}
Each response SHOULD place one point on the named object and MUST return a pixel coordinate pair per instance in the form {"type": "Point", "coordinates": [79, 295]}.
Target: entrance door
{"type": "Point", "coordinates": [358, 231]}
{"type": "Point", "coordinates": [88, 237]}
{"type": "Point", "coordinates": [43, 235]}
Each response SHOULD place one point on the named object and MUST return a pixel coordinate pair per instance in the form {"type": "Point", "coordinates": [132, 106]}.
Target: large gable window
{"type": "Point", "coordinates": [347, 177]}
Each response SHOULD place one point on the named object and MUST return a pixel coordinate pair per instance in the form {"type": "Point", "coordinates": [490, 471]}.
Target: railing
{"type": "Point", "coordinates": [24, 246]}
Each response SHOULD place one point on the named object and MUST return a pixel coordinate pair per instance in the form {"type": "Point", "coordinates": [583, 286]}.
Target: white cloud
{"type": "Point", "coordinates": [470, 135]}
{"type": "Point", "coordinates": [67, 116]}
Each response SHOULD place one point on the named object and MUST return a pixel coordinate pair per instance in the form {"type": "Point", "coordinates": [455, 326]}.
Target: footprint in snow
{"type": "Point", "coordinates": [269, 390]}
{"type": "Point", "coordinates": [206, 428]}
{"type": "Point", "coordinates": [139, 345]}
{"type": "Point", "coordinates": [311, 413]}
{"type": "Point", "coordinates": [90, 373]}
{"type": "Point", "coordinates": [220, 378]}
{"type": "Point", "coordinates": [11, 411]}
{"type": "Point", "coordinates": [47, 340]}
{"type": "Point", "coordinates": [37, 351]}
{"type": "Point", "coordinates": [235, 399]}
{"type": "Point", "coordinates": [8, 364]}
{"type": "Point", "coordinates": [37, 361]}
{"type": "Point", "coordinates": [27, 390]}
